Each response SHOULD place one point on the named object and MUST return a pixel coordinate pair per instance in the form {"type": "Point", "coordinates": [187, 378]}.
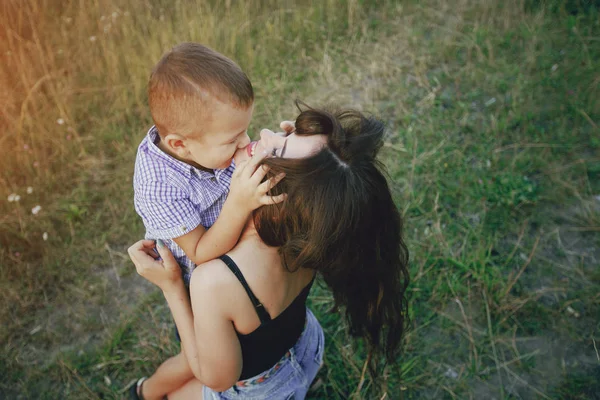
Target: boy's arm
{"type": "Point", "coordinates": [246, 194]}
{"type": "Point", "coordinates": [201, 245]}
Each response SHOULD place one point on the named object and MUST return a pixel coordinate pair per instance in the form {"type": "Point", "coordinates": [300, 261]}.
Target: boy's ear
{"type": "Point", "coordinates": [176, 143]}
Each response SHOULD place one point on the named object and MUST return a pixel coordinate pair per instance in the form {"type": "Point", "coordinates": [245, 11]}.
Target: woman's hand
{"type": "Point", "coordinates": [160, 269]}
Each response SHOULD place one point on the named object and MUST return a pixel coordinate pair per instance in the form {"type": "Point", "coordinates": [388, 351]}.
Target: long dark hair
{"type": "Point", "coordinates": [339, 218]}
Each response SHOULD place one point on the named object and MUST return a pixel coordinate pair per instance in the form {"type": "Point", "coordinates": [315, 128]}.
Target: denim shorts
{"type": "Point", "coordinates": [290, 378]}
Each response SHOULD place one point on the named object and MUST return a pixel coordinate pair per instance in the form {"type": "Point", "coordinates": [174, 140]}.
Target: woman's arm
{"type": "Point", "coordinates": [209, 340]}
{"type": "Point", "coordinates": [208, 336]}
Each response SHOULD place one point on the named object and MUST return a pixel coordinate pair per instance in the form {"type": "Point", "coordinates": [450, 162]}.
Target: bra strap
{"type": "Point", "coordinates": [263, 315]}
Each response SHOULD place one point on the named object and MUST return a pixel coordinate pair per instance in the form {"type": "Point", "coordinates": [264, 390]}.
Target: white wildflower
{"type": "Point", "coordinates": [36, 210]}
{"type": "Point", "coordinates": [571, 311]}
{"type": "Point", "coordinates": [45, 236]}
{"type": "Point", "coordinates": [29, 190]}
{"type": "Point", "coordinates": [12, 197]}
{"type": "Point", "coordinates": [35, 330]}
{"type": "Point", "coordinates": [451, 373]}
{"type": "Point", "coordinates": [92, 38]}
{"type": "Point", "coordinates": [554, 67]}
{"type": "Point", "coordinates": [60, 121]}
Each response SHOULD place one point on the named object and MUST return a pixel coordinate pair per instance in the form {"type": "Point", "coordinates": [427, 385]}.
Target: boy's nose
{"type": "Point", "coordinates": [244, 141]}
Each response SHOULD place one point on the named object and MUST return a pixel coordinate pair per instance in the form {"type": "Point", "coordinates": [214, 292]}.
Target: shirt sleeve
{"type": "Point", "coordinates": [167, 211]}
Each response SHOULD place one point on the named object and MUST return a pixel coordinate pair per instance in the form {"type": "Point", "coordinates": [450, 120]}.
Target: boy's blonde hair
{"type": "Point", "coordinates": [185, 78]}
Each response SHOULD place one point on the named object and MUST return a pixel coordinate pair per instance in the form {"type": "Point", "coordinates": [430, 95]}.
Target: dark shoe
{"type": "Point", "coordinates": [135, 390]}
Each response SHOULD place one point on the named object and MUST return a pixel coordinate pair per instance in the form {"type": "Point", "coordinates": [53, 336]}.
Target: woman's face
{"type": "Point", "coordinates": [279, 145]}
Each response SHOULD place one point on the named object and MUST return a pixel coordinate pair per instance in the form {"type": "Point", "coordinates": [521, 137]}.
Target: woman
{"type": "Point", "coordinates": [250, 334]}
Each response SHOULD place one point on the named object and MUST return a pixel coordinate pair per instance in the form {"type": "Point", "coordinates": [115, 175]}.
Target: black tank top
{"type": "Point", "coordinates": [262, 348]}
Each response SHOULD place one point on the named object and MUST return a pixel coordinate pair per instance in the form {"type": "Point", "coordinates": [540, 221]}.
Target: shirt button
{"type": "Point", "coordinates": [213, 179]}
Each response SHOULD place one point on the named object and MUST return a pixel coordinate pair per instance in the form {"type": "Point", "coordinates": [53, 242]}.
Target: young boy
{"type": "Point", "coordinates": [201, 103]}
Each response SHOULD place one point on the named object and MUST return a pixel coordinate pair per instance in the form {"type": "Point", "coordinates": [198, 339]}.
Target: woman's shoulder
{"type": "Point", "coordinates": [212, 275]}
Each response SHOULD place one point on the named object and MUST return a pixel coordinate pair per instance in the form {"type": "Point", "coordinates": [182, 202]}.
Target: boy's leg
{"type": "Point", "coordinates": [190, 391]}
{"type": "Point", "coordinates": [170, 375]}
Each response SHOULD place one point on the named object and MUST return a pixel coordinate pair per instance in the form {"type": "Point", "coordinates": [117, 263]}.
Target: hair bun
{"type": "Point", "coordinates": [316, 122]}
{"type": "Point", "coordinates": [352, 136]}
{"type": "Point", "coordinates": [364, 134]}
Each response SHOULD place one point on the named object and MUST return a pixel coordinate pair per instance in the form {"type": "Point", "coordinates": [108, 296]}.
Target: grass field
{"type": "Point", "coordinates": [493, 152]}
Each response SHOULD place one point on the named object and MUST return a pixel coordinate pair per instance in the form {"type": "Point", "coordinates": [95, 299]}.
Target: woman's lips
{"type": "Point", "coordinates": [250, 148]}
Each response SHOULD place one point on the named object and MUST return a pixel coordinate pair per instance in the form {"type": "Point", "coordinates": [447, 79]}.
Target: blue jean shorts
{"type": "Point", "coordinates": [290, 378]}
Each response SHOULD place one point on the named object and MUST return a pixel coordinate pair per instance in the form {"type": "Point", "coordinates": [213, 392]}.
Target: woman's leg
{"type": "Point", "coordinates": [172, 374]}
{"type": "Point", "coordinates": [192, 390]}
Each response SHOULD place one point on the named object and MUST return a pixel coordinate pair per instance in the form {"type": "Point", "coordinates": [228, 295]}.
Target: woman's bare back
{"type": "Point", "coordinates": [271, 283]}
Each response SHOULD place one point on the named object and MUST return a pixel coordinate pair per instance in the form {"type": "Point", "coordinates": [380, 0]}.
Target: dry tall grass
{"type": "Point", "coordinates": [73, 101]}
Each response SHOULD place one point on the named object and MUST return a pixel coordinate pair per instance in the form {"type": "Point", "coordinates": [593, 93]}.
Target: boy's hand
{"type": "Point", "coordinates": [246, 188]}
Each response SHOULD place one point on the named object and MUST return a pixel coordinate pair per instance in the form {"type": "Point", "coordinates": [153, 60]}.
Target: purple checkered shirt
{"type": "Point", "coordinates": [173, 197]}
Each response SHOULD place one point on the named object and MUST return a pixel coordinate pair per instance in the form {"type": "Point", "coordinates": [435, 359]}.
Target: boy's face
{"type": "Point", "coordinates": [223, 132]}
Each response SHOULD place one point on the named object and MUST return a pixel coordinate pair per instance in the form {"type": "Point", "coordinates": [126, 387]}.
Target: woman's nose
{"type": "Point", "coordinates": [265, 136]}
{"type": "Point", "coordinates": [269, 140]}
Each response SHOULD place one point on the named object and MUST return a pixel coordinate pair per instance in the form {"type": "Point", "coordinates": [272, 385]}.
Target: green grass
{"type": "Point", "coordinates": [493, 153]}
